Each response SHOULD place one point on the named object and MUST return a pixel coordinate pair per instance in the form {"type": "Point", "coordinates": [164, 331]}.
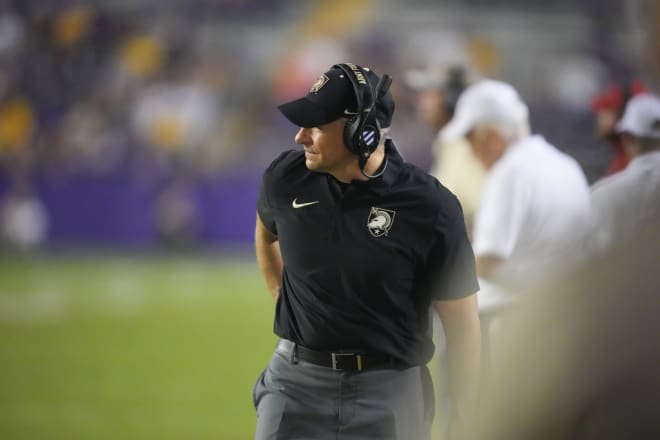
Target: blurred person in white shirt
{"type": "Point", "coordinates": [535, 199]}
{"type": "Point", "coordinates": [628, 202]}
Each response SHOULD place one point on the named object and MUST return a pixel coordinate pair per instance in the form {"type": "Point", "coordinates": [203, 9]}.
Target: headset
{"type": "Point", "coordinates": [453, 87]}
{"type": "Point", "coordinates": [362, 130]}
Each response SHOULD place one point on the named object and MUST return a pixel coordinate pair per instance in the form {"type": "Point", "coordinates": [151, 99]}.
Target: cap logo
{"type": "Point", "coordinates": [320, 82]}
{"type": "Point", "coordinates": [380, 221]}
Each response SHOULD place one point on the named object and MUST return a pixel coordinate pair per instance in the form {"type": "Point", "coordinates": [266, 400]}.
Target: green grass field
{"type": "Point", "coordinates": [134, 348]}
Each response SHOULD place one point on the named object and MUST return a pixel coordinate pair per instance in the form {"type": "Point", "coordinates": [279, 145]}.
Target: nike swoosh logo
{"type": "Point", "coordinates": [297, 205]}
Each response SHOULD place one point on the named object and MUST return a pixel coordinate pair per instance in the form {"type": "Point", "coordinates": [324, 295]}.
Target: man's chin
{"type": "Point", "coordinates": [312, 165]}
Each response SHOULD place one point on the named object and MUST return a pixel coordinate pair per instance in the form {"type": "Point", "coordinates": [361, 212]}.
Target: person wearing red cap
{"type": "Point", "coordinates": [608, 107]}
{"type": "Point", "coordinates": [357, 247]}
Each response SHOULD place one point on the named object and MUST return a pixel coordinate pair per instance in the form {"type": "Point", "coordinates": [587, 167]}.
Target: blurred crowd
{"type": "Point", "coordinates": [88, 88]}
{"type": "Point", "coordinates": [92, 88]}
{"type": "Point", "coordinates": [174, 92]}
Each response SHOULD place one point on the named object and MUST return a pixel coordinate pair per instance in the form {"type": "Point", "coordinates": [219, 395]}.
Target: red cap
{"type": "Point", "coordinates": [613, 97]}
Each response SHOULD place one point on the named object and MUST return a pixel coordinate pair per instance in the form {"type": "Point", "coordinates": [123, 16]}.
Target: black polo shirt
{"type": "Point", "coordinates": [363, 261]}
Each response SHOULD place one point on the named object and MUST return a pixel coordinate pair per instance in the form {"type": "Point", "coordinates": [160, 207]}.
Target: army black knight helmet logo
{"type": "Point", "coordinates": [320, 82]}
{"type": "Point", "coordinates": [380, 221]}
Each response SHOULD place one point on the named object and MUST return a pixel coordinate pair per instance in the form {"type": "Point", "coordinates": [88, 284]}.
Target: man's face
{"type": "Point", "coordinates": [487, 145]}
{"type": "Point", "coordinates": [324, 147]}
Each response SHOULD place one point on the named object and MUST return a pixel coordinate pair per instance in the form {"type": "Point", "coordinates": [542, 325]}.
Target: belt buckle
{"type": "Point", "coordinates": [358, 359]}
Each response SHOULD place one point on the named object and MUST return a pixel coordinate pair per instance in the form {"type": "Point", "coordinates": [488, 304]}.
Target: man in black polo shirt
{"type": "Point", "coordinates": [356, 246]}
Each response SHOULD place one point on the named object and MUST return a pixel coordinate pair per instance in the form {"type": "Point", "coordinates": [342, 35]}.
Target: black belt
{"type": "Point", "coordinates": [342, 360]}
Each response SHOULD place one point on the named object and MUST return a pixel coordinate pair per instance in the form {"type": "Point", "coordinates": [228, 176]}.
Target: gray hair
{"type": "Point", "coordinates": [511, 130]}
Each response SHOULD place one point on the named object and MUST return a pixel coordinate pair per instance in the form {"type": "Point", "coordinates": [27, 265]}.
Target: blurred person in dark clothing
{"type": "Point", "coordinates": [454, 164]}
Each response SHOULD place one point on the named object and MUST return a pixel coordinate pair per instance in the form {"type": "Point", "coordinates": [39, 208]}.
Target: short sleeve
{"type": "Point", "coordinates": [264, 202]}
{"type": "Point", "coordinates": [450, 266]}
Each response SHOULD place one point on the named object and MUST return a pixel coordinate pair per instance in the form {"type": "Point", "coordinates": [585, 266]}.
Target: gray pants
{"type": "Point", "coordinates": [299, 400]}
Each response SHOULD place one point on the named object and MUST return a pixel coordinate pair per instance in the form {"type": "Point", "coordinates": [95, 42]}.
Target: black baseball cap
{"type": "Point", "coordinates": [332, 97]}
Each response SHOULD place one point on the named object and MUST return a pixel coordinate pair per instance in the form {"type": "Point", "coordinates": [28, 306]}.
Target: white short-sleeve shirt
{"type": "Point", "coordinates": [535, 203]}
{"type": "Point", "coordinates": [625, 203]}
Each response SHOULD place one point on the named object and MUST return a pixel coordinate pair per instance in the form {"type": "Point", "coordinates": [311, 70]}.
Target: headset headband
{"type": "Point", "coordinates": [379, 91]}
{"type": "Point", "coordinates": [358, 79]}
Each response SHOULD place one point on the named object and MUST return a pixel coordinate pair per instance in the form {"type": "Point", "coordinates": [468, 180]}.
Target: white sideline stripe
{"type": "Point", "coordinates": [41, 306]}
{"type": "Point", "coordinates": [120, 297]}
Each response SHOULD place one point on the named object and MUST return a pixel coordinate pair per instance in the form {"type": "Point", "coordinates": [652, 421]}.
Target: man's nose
{"type": "Point", "coordinates": [302, 137]}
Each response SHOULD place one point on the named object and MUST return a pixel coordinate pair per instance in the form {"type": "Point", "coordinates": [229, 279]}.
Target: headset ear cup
{"type": "Point", "coordinates": [369, 138]}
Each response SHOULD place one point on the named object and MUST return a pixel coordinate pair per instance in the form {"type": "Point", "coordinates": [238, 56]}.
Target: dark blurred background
{"type": "Point", "coordinates": [147, 124]}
